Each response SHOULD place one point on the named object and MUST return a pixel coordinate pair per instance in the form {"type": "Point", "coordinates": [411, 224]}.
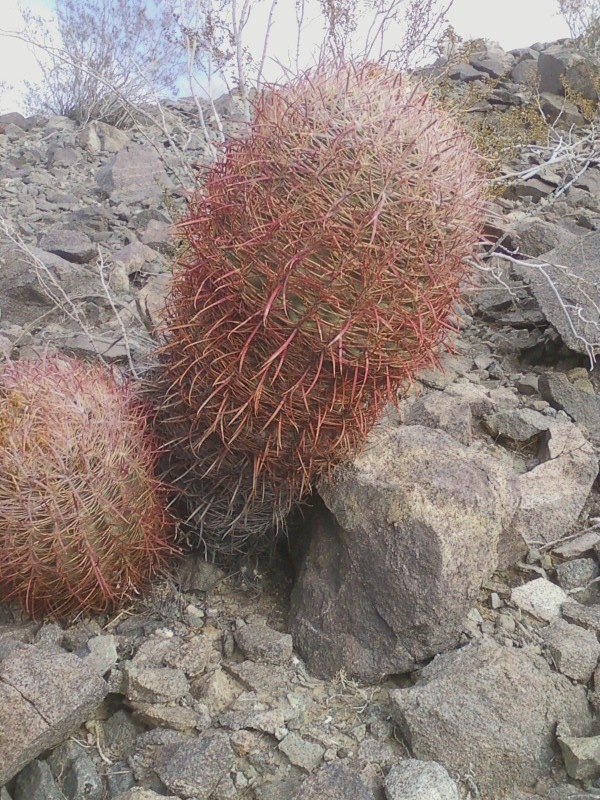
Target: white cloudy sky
{"type": "Point", "coordinates": [513, 23]}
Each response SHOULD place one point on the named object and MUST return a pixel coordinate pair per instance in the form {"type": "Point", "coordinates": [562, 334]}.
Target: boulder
{"type": "Point", "coordinates": [566, 287]}
{"type": "Point", "coordinates": [490, 712]}
{"type": "Point", "coordinates": [534, 236]}
{"type": "Point", "coordinates": [560, 109]}
{"type": "Point", "coordinates": [261, 643]}
{"type": "Point", "coordinates": [574, 650]}
{"type": "Point", "coordinates": [98, 136]}
{"type": "Point", "coordinates": [581, 405]}
{"type": "Point", "coordinates": [71, 245]}
{"type": "Point", "coordinates": [135, 173]}
{"type": "Point", "coordinates": [15, 118]}
{"type": "Point", "coordinates": [45, 695]}
{"type": "Point", "coordinates": [554, 492]}
{"type": "Point", "coordinates": [525, 72]}
{"type": "Point", "coordinates": [29, 281]}
{"type": "Point", "coordinates": [397, 553]}
{"type": "Point", "coordinates": [465, 73]}
{"type": "Point", "coordinates": [560, 65]}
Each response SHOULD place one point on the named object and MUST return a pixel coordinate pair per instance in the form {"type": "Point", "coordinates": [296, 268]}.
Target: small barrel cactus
{"type": "Point", "coordinates": [324, 255]}
{"type": "Point", "coordinates": [82, 518]}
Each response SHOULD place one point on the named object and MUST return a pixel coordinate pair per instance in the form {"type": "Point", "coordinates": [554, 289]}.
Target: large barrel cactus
{"type": "Point", "coordinates": [82, 517]}
{"type": "Point", "coordinates": [324, 255]}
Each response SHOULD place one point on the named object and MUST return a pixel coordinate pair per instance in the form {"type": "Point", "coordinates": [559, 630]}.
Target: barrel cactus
{"type": "Point", "coordinates": [82, 518]}
{"type": "Point", "coordinates": [323, 257]}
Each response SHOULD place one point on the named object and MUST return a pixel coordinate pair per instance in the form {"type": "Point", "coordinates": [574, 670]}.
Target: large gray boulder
{"type": "Point", "coordinates": [566, 285]}
{"type": "Point", "coordinates": [135, 173]}
{"type": "Point", "coordinates": [490, 712]}
{"type": "Point", "coordinates": [397, 553]}
{"type": "Point", "coordinates": [561, 66]}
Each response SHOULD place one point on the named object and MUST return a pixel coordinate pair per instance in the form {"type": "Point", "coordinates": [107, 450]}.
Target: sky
{"type": "Point", "coordinates": [512, 23]}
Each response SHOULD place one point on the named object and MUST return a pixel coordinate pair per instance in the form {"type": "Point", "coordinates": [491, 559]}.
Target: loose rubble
{"type": "Point", "coordinates": [469, 534]}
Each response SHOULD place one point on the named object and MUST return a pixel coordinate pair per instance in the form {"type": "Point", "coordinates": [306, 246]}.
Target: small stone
{"type": "Point", "coordinates": [71, 245]}
{"type": "Point", "coordinates": [575, 651]}
{"type": "Point", "coordinates": [75, 772]}
{"type": "Point", "coordinates": [574, 576]}
{"type": "Point", "coordinates": [120, 734]}
{"type": "Point", "coordinates": [195, 616]}
{"type": "Point", "coordinates": [194, 656]}
{"type": "Point", "coordinates": [578, 546]}
{"type": "Point", "coordinates": [581, 755]}
{"type": "Point", "coordinates": [415, 780]}
{"type": "Point", "coordinates": [220, 691]}
{"type": "Point", "coordinates": [153, 650]}
{"type": "Point", "coordinates": [81, 781]}
{"type": "Point", "coordinates": [582, 406]}
{"type": "Point", "coordinates": [119, 778]}
{"type": "Point", "coordinates": [519, 426]}
{"type": "Point", "coordinates": [584, 616]}
{"type": "Point", "coordinates": [195, 767]}
{"type": "Point", "coordinates": [197, 575]}
{"type": "Point", "coordinates": [527, 385]}
{"type": "Point", "coordinates": [137, 793]}
{"type": "Point", "coordinates": [51, 634]}
{"type": "Point", "coordinates": [177, 718]}
{"type": "Point", "coordinates": [335, 780]}
{"type": "Point", "coordinates": [103, 654]}
{"type": "Point", "coordinates": [63, 156]}
{"type": "Point", "coordinates": [261, 643]}
{"type": "Point", "coordinates": [506, 622]}
{"type": "Point", "coordinates": [540, 598]}
{"type": "Point", "coordinates": [267, 680]}
{"type": "Point", "coordinates": [155, 684]}
{"type": "Point", "coordinates": [445, 411]}
{"type": "Point", "coordinates": [302, 753]}
{"type": "Point", "coordinates": [249, 712]}
{"type": "Point", "coordinates": [35, 782]}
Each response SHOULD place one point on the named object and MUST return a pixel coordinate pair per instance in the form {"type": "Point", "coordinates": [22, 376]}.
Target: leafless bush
{"type": "Point", "coordinates": [105, 50]}
{"type": "Point", "coordinates": [580, 15]}
{"type": "Point", "coordinates": [362, 28]}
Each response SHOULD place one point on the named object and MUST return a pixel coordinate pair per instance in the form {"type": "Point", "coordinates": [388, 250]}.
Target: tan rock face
{"type": "Point", "coordinates": [407, 536]}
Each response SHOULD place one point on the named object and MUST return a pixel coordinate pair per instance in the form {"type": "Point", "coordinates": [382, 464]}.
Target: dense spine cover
{"type": "Point", "coordinates": [324, 254]}
{"type": "Point", "coordinates": [82, 517]}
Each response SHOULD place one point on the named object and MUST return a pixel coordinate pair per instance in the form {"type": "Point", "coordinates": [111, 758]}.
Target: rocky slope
{"type": "Point", "coordinates": [199, 691]}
